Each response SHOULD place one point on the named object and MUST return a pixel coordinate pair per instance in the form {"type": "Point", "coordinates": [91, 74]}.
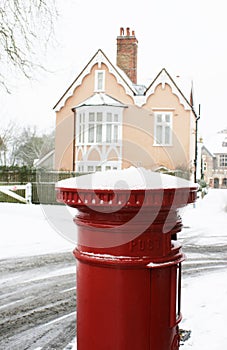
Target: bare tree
{"type": "Point", "coordinates": [21, 146]}
{"type": "Point", "coordinates": [23, 26]}
{"type": "Point", "coordinates": [32, 146]}
{"type": "Point", "coordinates": [8, 142]}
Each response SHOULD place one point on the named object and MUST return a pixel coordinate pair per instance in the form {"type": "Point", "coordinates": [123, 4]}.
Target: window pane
{"type": "Point", "coordinates": [98, 168]}
{"type": "Point", "coordinates": [100, 81]}
{"type": "Point", "coordinates": [167, 118]}
{"type": "Point", "coordinates": [109, 117]}
{"type": "Point", "coordinates": [83, 133]}
{"type": "Point", "coordinates": [90, 168]}
{"type": "Point", "coordinates": [159, 118]}
{"type": "Point", "coordinates": [115, 118]}
{"type": "Point", "coordinates": [91, 117]}
{"type": "Point", "coordinates": [115, 133]}
{"type": "Point", "coordinates": [108, 133]}
{"type": "Point", "coordinates": [99, 116]}
{"type": "Point", "coordinates": [159, 134]}
{"type": "Point", "coordinates": [91, 133]}
{"type": "Point", "coordinates": [99, 133]}
{"type": "Point", "coordinates": [167, 135]}
{"type": "Point", "coordinates": [80, 133]}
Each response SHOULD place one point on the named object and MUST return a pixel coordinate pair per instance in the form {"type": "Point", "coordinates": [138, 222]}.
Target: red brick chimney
{"type": "Point", "coordinates": [127, 53]}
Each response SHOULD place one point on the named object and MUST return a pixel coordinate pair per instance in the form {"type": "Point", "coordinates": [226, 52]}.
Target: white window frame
{"type": "Point", "coordinates": [223, 160]}
{"type": "Point", "coordinates": [111, 126]}
{"type": "Point", "coordinates": [94, 166]}
{"type": "Point", "coordinates": [100, 82]}
{"type": "Point", "coordinates": [164, 125]}
{"type": "Point", "coordinates": [114, 119]}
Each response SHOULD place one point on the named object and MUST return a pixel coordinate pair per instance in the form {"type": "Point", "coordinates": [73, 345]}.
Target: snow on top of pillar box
{"type": "Point", "coordinates": [131, 178]}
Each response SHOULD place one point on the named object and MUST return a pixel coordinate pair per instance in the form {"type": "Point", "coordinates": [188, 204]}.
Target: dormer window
{"type": "Point", "coordinates": [99, 80]}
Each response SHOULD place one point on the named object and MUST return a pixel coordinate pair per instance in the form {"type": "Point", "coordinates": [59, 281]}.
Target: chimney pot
{"type": "Point", "coordinates": [127, 53]}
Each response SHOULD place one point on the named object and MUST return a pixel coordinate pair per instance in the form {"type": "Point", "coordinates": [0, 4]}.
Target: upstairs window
{"type": "Point", "coordinates": [98, 127]}
{"type": "Point", "coordinates": [95, 127]}
{"type": "Point", "coordinates": [99, 80]}
{"type": "Point", "coordinates": [223, 160]}
{"type": "Point", "coordinates": [163, 129]}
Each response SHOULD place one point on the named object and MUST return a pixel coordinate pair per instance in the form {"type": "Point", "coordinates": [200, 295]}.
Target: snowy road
{"type": "Point", "coordinates": [37, 298]}
{"type": "Point", "coordinates": [203, 260]}
{"type": "Point", "coordinates": [37, 302]}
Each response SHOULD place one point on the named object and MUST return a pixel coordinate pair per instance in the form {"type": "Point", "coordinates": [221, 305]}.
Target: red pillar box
{"type": "Point", "coordinates": [128, 258]}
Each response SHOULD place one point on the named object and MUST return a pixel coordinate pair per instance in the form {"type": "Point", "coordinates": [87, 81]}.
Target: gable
{"type": "Point", "coordinates": [98, 59]}
{"type": "Point", "coordinates": [162, 79]}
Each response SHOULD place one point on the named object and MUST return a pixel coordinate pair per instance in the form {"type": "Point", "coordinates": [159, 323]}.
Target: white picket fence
{"type": "Point", "coordinates": [10, 190]}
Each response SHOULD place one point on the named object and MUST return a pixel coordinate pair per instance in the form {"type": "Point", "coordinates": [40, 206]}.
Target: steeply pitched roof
{"type": "Point", "coordinates": [163, 78]}
{"type": "Point", "coordinates": [138, 92]}
{"type": "Point", "coordinates": [217, 142]}
{"type": "Point", "coordinates": [99, 58]}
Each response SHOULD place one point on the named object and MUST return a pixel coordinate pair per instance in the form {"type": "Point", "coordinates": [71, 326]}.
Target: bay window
{"type": "Point", "coordinates": [98, 127]}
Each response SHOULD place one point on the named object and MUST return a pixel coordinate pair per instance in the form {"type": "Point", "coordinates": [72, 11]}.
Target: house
{"type": "Point", "coordinates": [214, 161]}
{"type": "Point", "coordinates": [106, 120]}
{"type": "Point", "coordinates": [46, 162]}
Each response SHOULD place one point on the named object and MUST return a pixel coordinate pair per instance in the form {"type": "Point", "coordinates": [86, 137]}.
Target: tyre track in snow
{"type": "Point", "coordinates": [202, 259]}
{"type": "Point", "coordinates": [38, 296]}
{"type": "Point", "coordinates": [37, 302]}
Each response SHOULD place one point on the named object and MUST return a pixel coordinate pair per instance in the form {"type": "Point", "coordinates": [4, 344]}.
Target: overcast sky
{"type": "Point", "coordinates": [188, 38]}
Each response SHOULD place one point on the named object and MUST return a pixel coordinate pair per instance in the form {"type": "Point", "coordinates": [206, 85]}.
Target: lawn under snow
{"type": "Point", "coordinates": [27, 230]}
{"type": "Point", "coordinates": [37, 229]}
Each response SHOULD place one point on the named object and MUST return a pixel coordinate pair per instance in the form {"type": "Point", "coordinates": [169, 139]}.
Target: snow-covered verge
{"type": "Point", "coordinates": [27, 230]}
{"type": "Point", "coordinates": [204, 305]}
{"type": "Point", "coordinates": [204, 296]}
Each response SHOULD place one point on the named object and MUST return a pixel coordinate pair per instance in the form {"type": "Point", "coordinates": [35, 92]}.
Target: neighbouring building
{"type": "Point", "coordinates": [46, 162]}
{"type": "Point", "coordinates": [107, 120]}
{"type": "Point", "coordinates": [214, 161]}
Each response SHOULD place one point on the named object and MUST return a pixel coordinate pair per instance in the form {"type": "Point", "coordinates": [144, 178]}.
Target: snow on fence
{"type": "Point", "coordinates": [10, 190]}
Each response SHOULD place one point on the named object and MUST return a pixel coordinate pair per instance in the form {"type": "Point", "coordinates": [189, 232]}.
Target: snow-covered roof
{"type": "Point", "coordinates": [217, 144]}
{"type": "Point", "coordinates": [163, 78]}
{"type": "Point", "coordinates": [46, 157]}
{"type": "Point", "coordinates": [138, 92]}
{"type": "Point", "coordinates": [100, 99]}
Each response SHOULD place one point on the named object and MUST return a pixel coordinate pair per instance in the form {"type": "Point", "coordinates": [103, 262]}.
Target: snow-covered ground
{"type": "Point", "coordinates": [204, 297]}
{"type": "Point", "coordinates": [28, 230]}
{"type": "Point", "coordinates": [36, 229]}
